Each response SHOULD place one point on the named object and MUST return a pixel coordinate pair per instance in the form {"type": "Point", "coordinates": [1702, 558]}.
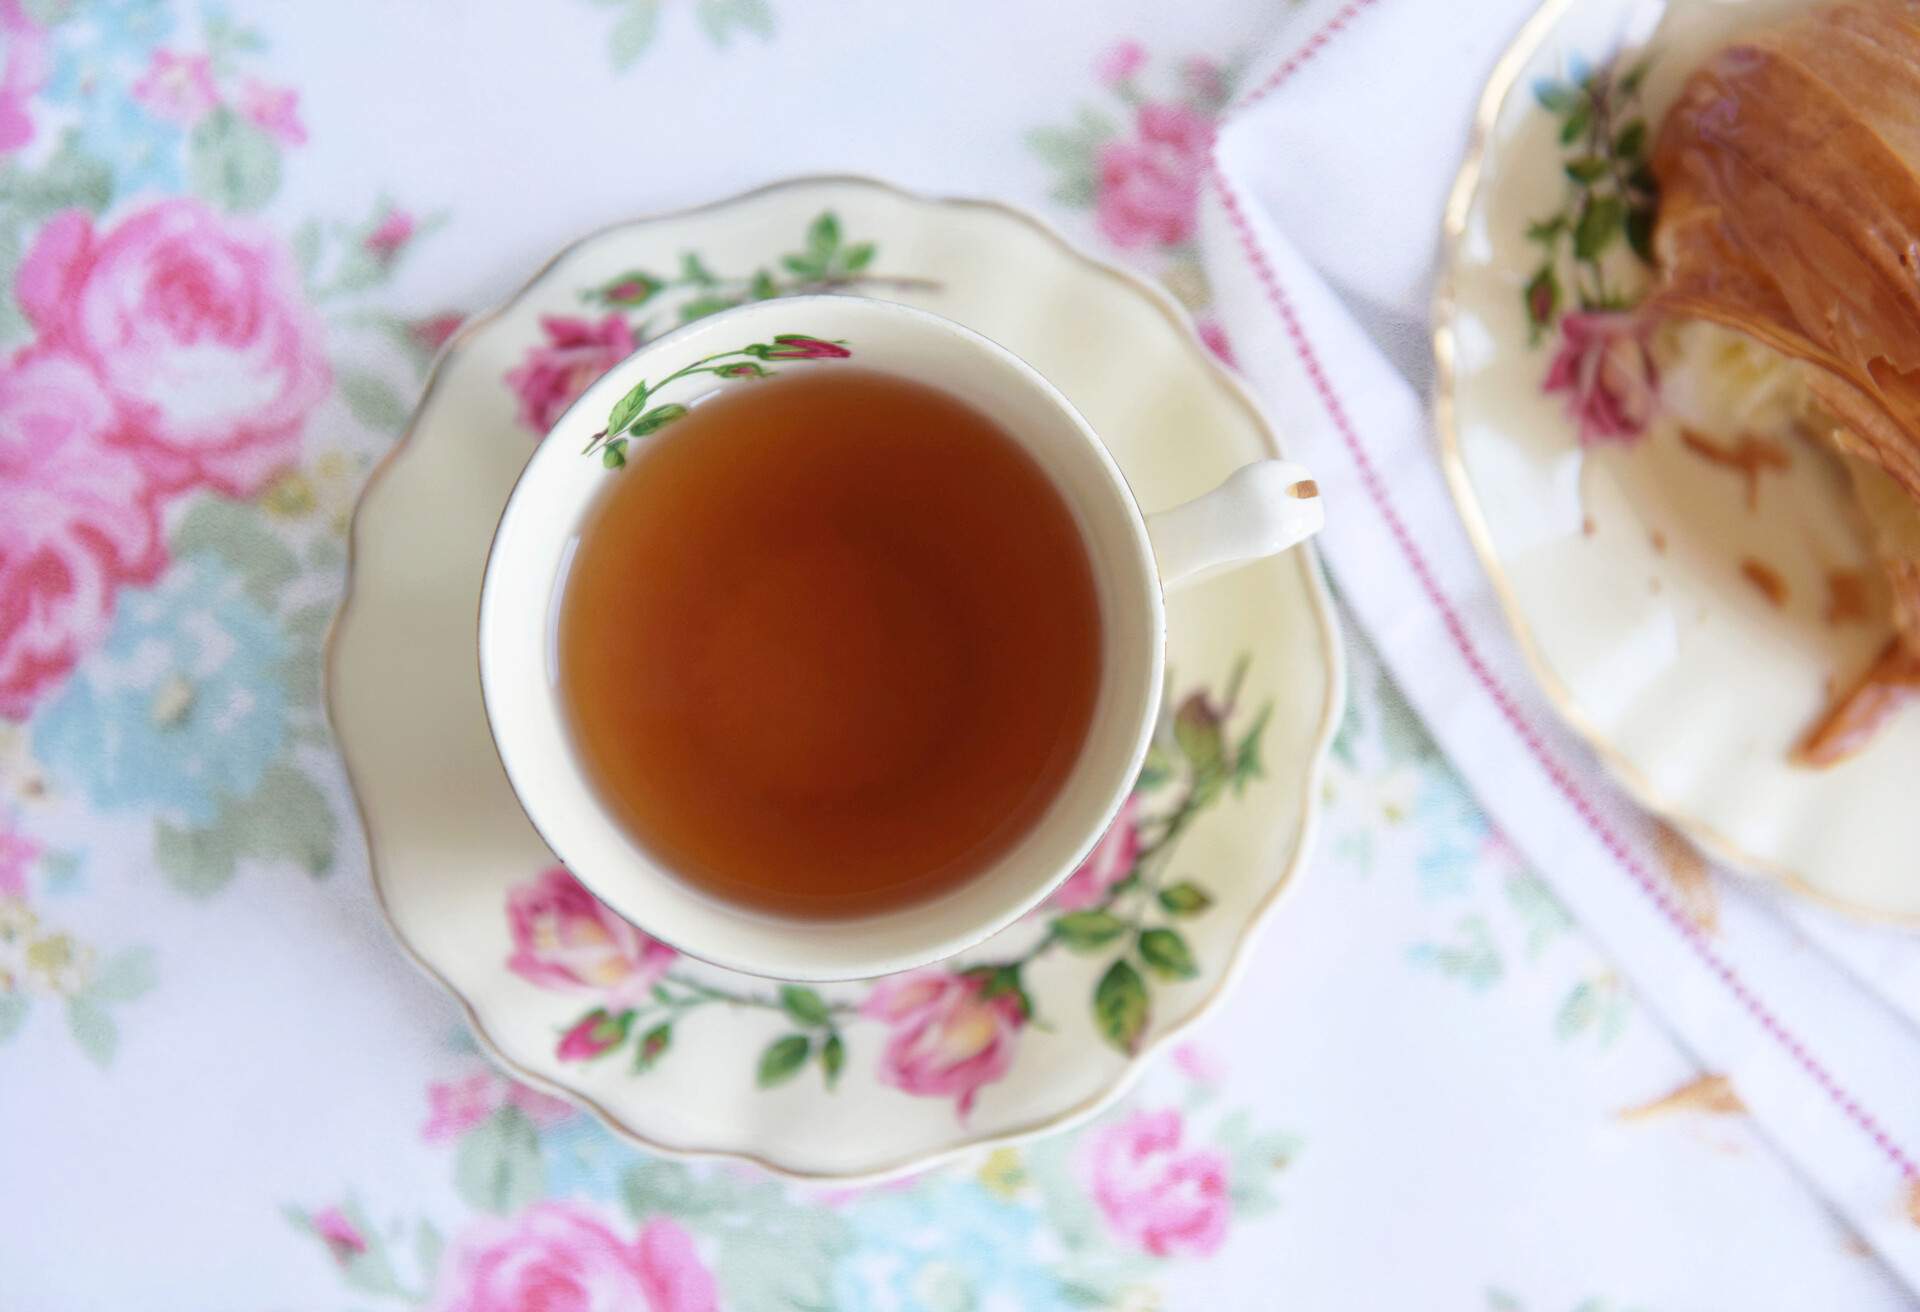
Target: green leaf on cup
{"type": "Point", "coordinates": [804, 1005]}
{"type": "Point", "coordinates": [626, 408]}
{"type": "Point", "coordinates": [833, 1057]}
{"type": "Point", "coordinates": [614, 454]}
{"type": "Point", "coordinates": [823, 236]}
{"type": "Point", "coordinates": [1120, 1006]}
{"type": "Point", "coordinates": [1185, 899]}
{"type": "Point", "coordinates": [857, 257]}
{"type": "Point", "coordinates": [657, 418]}
{"type": "Point", "coordinates": [782, 1059]}
{"type": "Point", "coordinates": [1167, 954]}
{"type": "Point", "coordinates": [1087, 931]}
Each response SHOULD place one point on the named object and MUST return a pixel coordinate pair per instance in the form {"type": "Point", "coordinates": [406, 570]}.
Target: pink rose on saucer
{"type": "Point", "coordinates": [1171, 1202]}
{"type": "Point", "coordinates": [23, 73]}
{"type": "Point", "coordinates": [556, 1257]}
{"type": "Point", "coordinates": [575, 354]}
{"type": "Point", "coordinates": [948, 1039]}
{"type": "Point", "coordinates": [76, 524]}
{"type": "Point", "coordinates": [597, 1032]}
{"type": "Point", "coordinates": [1607, 371]}
{"type": "Point", "coordinates": [564, 937]}
{"type": "Point", "coordinates": [1110, 861]}
{"type": "Point", "coordinates": [1150, 185]}
{"type": "Point", "coordinates": [195, 327]}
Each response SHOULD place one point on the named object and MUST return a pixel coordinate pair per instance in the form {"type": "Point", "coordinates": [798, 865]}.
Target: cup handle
{"type": "Point", "coordinates": [1261, 510]}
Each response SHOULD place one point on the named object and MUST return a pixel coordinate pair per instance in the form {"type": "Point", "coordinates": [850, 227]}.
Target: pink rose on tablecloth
{"type": "Point", "coordinates": [24, 73]}
{"type": "Point", "coordinates": [948, 1039]}
{"type": "Point", "coordinates": [76, 524]}
{"type": "Point", "coordinates": [1150, 184]}
{"type": "Point", "coordinates": [178, 88]}
{"type": "Point", "coordinates": [390, 235]}
{"type": "Point", "coordinates": [457, 1106]}
{"type": "Point", "coordinates": [1170, 1201]}
{"type": "Point", "coordinates": [564, 937]}
{"type": "Point", "coordinates": [1606, 369]}
{"type": "Point", "coordinates": [196, 328]}
{"type": "Point", "coordinates": [1110, 861]}
{"type": "Point", "coordinates": [17, 855]}
{"type": "Point", "coordinates": [341, 1236]}
{"type": "Point", "coordinates": [575, 354]}
{"type": "Point", "coordinates": [1120, 63]}
{"type": "Point", "coordinates": [556, 1257]}
{"type": "Point", "coordinates": [274, 110]}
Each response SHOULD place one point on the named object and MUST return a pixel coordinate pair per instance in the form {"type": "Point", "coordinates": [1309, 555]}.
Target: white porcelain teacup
{"type": "Point", "coordinates": [1261, 509]}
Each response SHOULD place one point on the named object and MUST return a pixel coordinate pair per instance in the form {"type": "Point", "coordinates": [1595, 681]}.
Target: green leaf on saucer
{"type": "Point", "coordinates": [1196, 727]}
{"type": "Point", "coordinates": [783, 1057]}
{"type": "Point", "coordinates": [653, 1046]}
{"type": "Point", "coordinates": [803, 1004]}
{"type": "Point", "coordinates": [702, 306]}
{"type": "Point", "coordinates": [1247, 765]}
{"type": "Point", "coordinates": [1632, 139]}
{"type": "Point", "coordinates": [1120, 1006]}
{"type": "Point", "coordinates": [1599, 224]}
{"type": "Point", "coordinates": [1167, 954]}
{"type": "Point", "coordinates": [1185, 899]}
{"type": "Point", "coordinates": [857, 257]}
{"type": "Point", "coordinates": [1087, 931]}
{"type": "Point", "coordinates": [823, 236]}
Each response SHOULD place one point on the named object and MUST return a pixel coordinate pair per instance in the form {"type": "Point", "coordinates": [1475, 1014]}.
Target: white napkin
{"type": "Point", "coordinates": [1320, 227]}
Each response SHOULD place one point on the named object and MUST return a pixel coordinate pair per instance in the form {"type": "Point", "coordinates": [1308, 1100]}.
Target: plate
{"type": "Point", "coordinates": [1637, 576]}
{"type": "Point", "coordinates": [1042, 1024]}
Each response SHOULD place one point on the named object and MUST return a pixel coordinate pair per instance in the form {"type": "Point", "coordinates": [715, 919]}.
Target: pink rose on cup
{"type": "Point", "coordinates": [1150, 185]}
{"type": "Point", "coordinates": [24, 72]}
{"type": "Point", "coordinates": [793, 346]}
{"type": "Point", "coordinates": [575, 354]}
{"type": "Point", "coordinates": [564, 937]}
{"type": "Point", "coordinates": [178, 88]}
{"type": "Point", "coordinates": [1171, 1202]}
{"type": "Point", "coordinates": [195, 327]}
{"type": "Point", "coordinates": [1110, 861]}
{"type": "Point", "coordinates": [556, 1257]}
{"type": "Point", "coordinates": [341, 1236]}
{"type": "Point", "coordinates": [1607, 372]}
{"type": "Point", "coordinates": [76, 524]}
{"type": "Point", "coordinates": [948, 1038]}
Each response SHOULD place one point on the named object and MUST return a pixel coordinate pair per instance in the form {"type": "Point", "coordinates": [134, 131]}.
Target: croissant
{"type": "Point", "coordinates": [1789, 178]}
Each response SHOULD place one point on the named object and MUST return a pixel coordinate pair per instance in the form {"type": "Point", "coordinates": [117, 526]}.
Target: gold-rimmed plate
{"type": "Point", "coordinates": [1676, 611]}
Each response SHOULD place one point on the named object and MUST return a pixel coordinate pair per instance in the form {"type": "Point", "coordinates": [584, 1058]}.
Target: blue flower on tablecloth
{"type": "Point", "coordinates": [944, 1245]}
{"type": "Point", "coordinates": [104, 43]}
{"type": "Point", "coordinates": [1454, 831]}
{"type": "Point", "coordinates": [182, 706]}
{"type": "Point", "coordinates": [581, 1158]}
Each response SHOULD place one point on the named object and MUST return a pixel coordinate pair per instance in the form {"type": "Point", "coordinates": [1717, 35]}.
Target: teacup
{"type": "Point", "coordinates": [1263, 508]}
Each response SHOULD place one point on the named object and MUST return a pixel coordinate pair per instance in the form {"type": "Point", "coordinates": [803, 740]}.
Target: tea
{"type": "Point", "coordinates": [830, 644]}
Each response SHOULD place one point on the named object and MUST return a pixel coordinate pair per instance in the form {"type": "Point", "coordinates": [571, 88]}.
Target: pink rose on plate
{"type": "Point", "coordinates": [575, 354]}
{"type": "Point", "coordinates": [564, 937]}
{"type": "Point", "coordinates": [76, 524]}
{"type": "Point", "coordinates": [341, 1236]}
{"type": "Point", "coordinates": [1150, 185]}
{"type": "Point", "coordinates": [1170, 1201]}
{"type": "Point", "coordinates": [1110, 861]}
{"type": "Point", "coordinates": [556, 1257]}
{"type": "Point", "coordinates": [948, 1038]}
{"type": "Point", "coordinates": [178, 88]}
{"type": "Point", "coordinates": [1607, 372]}
{"type": "Point", "coordinates": [195, 327]}
{"type": "Point", "coordinates": [274, 110]}
{"type": "Point", "coordinates": [23, 73]}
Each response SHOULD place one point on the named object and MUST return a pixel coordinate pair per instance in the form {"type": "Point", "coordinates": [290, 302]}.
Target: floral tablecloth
{"type": "Point", "coordinates": [230, 240]}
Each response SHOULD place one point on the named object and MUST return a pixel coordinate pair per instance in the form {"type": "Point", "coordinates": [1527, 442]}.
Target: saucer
{"type": "Point", "coordinates": [1675, 612]}
{"type": "Point", "coordinates": [1042, 1024]}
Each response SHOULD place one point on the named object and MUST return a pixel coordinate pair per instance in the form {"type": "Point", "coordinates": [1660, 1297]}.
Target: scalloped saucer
{"type": "Point", "coordinates": [1041, 1025]}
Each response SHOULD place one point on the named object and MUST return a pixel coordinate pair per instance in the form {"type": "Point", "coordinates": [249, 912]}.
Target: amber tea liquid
{"type": "Point", "coordinates": [829, 644]}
